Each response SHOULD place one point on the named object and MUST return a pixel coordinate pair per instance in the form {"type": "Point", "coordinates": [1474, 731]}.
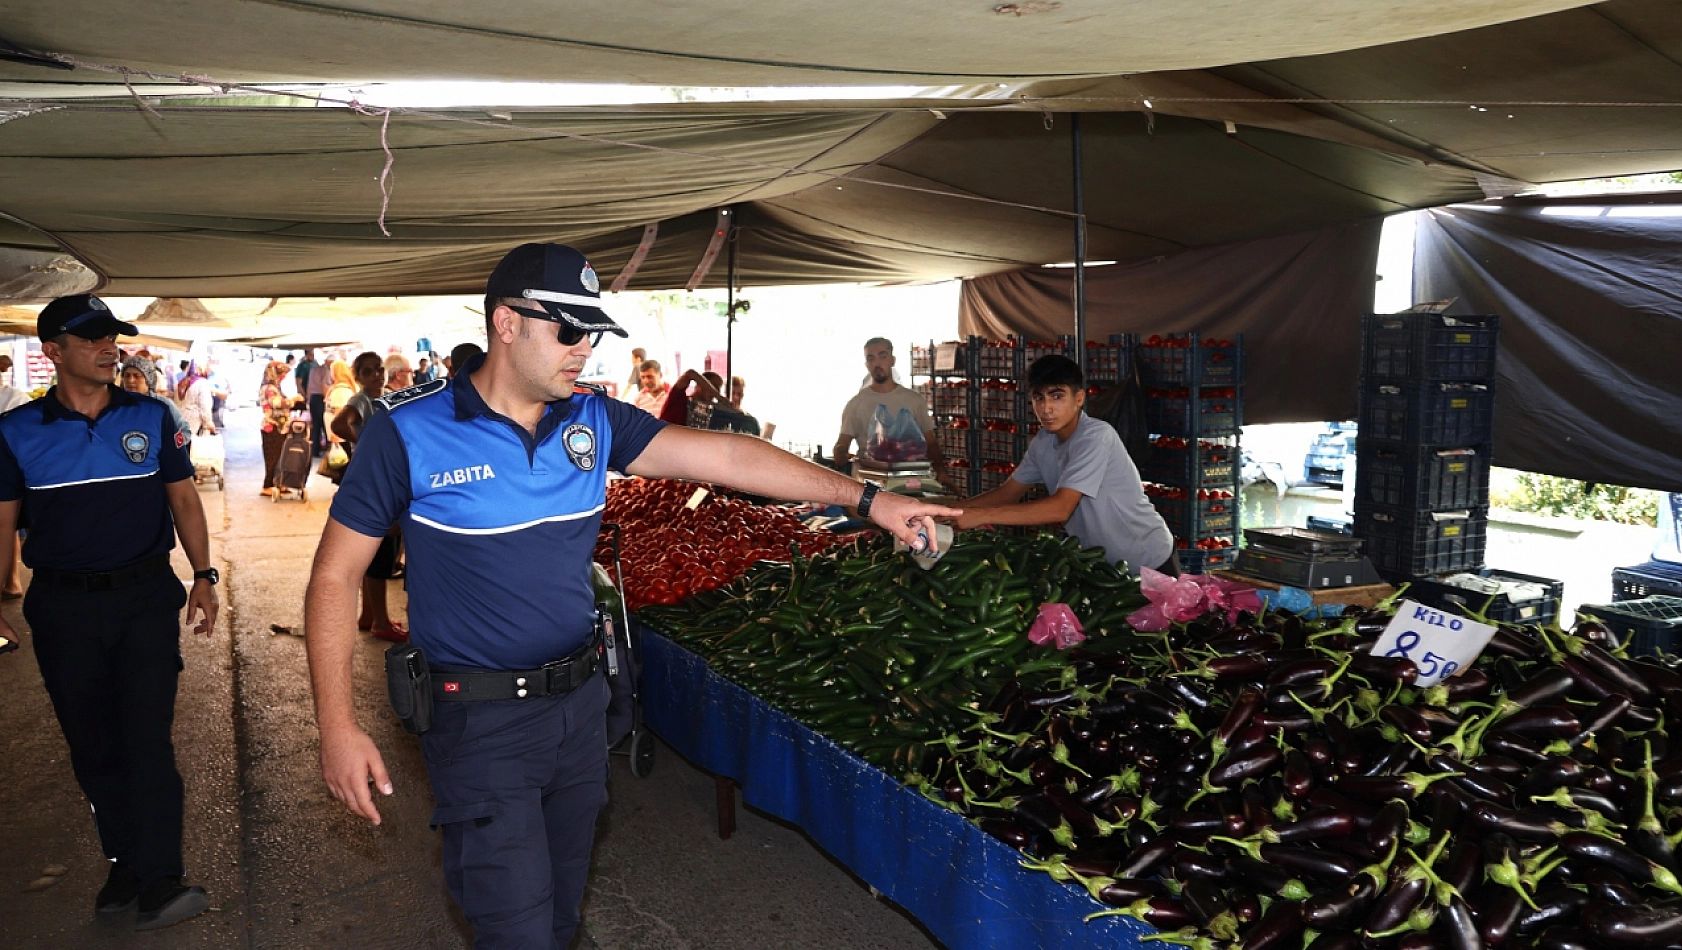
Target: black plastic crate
{"type": "Point", "coordinates": [957, 443]}
{"type": "Point", "coordinates": [1405, 543]}
{"type": "Point", "coordinates": [1194, 519]}
{"type": "Point", "coordinates": [1106, 363]}
{"type": "Point", "coordinates": [1191, 365]}
{"type": "Point", "coordinates": [1435, 414]}
{"type": "Point", "coordinates": [964, 356]}
{"type": "Point", "coordinates": [1401, 475]}
{"type": "Point", "coordinates": [1201, 561]}
{"type": "Point", "coordinates": [1204, 415]}
{"type": "Point", "coordinates": [1650, 625]}
{"type": "Point", "coordinates": [1645, 580]}
{"type": "Point", "coordinates": [998, 445]}
{"type": "Point", "coordinates": [1333, 525]}
{"type": "Point", "coordinates": [1432, 592]}
{"type": "Point", "coordinates": [1000, 400]}
{"type": "Point", "coordinates": [1194, 466]}
{"type": "Point", "coordinates": [1421, 346]}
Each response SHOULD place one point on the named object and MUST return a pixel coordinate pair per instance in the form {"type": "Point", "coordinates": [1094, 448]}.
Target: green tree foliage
{"type": "Point", "coordinates": [1568, 498]}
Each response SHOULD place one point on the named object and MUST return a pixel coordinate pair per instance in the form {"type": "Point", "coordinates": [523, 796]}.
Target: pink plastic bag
{"type": "Point", "coordinates": [1185, 598]}
{"type": "Point", "coordinates": [1058, 624]}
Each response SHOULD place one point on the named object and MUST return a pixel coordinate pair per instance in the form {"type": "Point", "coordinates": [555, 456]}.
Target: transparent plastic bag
{"type": "Point", "coordinates": [895, 438]}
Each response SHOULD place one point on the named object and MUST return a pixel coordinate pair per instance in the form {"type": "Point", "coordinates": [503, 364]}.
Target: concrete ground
{"type": "Point", "coordinates": [287, 867]}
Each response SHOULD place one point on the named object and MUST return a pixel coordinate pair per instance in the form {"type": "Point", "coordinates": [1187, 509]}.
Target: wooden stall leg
{"type": "Point", "coordinates": [726, 807]}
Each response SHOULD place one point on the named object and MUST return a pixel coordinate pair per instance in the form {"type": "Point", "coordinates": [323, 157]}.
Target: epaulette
{"type": "Point", "coordinates": [391, 401]}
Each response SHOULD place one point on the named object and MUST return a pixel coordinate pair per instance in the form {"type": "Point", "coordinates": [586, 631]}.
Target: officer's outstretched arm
{"type": "Point", "coordinates": [757, 466]}
{"type": "Point", "coordinates": [349, 759]}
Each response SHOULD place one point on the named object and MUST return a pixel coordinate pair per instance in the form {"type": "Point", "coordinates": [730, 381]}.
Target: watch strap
{"type": "Point", "coordinates": [869, 495]}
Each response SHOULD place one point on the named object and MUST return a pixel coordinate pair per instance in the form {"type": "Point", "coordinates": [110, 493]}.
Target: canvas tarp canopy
{"type": "Point", "coordinates": [1590, 296]}
{"type": "Point", "coordinates": [720, 42]}
{"type": "Point", "coordinates": [212, 197]}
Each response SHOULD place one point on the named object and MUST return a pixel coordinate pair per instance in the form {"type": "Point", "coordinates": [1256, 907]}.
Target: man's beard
{"type": "Point", "coordinates": [881, 376]}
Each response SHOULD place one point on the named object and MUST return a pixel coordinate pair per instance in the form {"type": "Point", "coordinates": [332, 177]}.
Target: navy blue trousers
{"type": "Point", "coordinates": [110, 661]}
{"type": "Point", "coordinates": [518, 785]}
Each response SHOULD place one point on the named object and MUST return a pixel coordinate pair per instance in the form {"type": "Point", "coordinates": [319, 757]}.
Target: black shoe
{"type": "Point", "coordinates": [121, 890]}
{"type": "Point", "coordinates": [165, 901]}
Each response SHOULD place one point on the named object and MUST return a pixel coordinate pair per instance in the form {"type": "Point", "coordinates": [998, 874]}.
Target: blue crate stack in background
{"type": "Point", "coordinates": [1194, 389]}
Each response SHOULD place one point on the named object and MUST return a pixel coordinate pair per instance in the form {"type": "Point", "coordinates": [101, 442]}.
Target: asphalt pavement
{"type": "Point", "coordinates": [287, 867]}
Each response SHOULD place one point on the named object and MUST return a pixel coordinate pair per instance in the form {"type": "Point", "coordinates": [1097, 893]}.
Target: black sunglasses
{"type": "Point", "coordinates": [569, 335]}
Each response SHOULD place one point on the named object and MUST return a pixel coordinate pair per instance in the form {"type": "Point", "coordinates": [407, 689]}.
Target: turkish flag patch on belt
{"type": "Point", "coordinates": [451, 687]}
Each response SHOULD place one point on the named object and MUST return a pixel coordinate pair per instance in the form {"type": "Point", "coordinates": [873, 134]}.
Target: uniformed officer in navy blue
{"type": "Point", "coordinates": [499, 477]}
{"type": "Point", "coordinates": [103, 482]}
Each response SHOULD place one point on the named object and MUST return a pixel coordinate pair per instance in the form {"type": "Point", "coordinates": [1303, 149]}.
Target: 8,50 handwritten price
{"type": "Point", "coordinates": [1440, 644]}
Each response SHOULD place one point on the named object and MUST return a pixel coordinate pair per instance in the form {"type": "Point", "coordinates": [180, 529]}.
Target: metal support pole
{"type": "Point", "coordinates": [1080, 248]}
{"type": "Point", "coordinates": [730, 307]}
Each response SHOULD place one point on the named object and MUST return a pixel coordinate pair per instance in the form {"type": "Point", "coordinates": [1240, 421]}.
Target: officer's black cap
{"type": "Point", "coordinates": [82, 315]}
{"type": "Point", "coordinates": [560, 280]}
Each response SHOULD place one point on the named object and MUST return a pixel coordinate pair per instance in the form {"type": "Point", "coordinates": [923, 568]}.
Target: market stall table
{"type": "Point", "coordinates": [966, 887]}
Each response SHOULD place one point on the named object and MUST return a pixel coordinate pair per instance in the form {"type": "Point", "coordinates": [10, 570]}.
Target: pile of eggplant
{"type": "Point", "coordinates": [1269, 783]}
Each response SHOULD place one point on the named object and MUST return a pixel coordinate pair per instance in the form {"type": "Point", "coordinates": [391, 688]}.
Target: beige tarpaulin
{"type": "Point", "coordinates": [720, 42]}
{"type": "Point", "coordinates": [214, 199]}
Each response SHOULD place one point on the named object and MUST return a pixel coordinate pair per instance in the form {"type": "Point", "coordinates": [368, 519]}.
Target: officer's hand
{"type": "Point", "coordinates": [903, 517]}
{"type": "Point", "coordinates": [201, 603]}
{"type": "Point", "coordinates": [348, 760]}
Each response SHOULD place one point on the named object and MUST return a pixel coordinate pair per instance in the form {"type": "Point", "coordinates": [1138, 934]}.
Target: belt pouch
{"type": "Point", "coordinates": [410, 684]}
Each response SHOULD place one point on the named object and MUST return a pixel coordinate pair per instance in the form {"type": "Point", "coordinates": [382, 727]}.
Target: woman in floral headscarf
{"type": "Point", "coordinates": [277, 414]}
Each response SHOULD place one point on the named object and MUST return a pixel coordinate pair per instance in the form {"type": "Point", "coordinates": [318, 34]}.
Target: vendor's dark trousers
{"type": "Point", "coordinates": [272, 442]}
{"type": "Point", "coordinates": [318, 422]}
{"type": "Point", "coordinates": [110, 660]}
{"type": "Point", "coordinates": [1171, 567]}
{"type": "Point", "coordinates": [518, 784]}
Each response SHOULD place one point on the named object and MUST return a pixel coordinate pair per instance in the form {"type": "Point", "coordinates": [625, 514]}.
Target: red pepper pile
{"type": "Point", "coordinates": [671, 552]}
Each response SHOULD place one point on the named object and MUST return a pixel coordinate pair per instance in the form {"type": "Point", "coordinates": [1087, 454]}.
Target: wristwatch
{"type": "Point", "coordinates": [869, 495]}
{"type": "Point", "coordinates": [208, 574]}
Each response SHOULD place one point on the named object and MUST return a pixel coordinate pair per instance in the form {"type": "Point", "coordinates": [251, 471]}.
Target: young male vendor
{"type": "Point", "coordinates": [1094, 487]}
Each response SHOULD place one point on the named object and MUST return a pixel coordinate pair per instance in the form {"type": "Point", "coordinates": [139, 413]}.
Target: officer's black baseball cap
{"type": "Point", "coordinates": [557, 278]}
{"type": "Point", "coordinates": [82, 315]}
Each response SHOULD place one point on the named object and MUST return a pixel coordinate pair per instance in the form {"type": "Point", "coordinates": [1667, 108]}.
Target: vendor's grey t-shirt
{"type": "Point", "coordinates": [855, 419]}
{"type": "Point", "coordinates": [1114, 514]}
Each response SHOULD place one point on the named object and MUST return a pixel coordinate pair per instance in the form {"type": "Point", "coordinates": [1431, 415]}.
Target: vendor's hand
{"type": "Point", "coordinates": [903, 518]}
{"type": "Point", "coordinates": [201, 603]}
{"type": "Point", "coordinates": [349, 760]}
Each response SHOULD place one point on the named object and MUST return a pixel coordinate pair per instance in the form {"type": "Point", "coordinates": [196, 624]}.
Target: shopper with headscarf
{"type": "Point", "coordinates": [277, 414]}
{"type": "Point", "coordinates": [197, 406]}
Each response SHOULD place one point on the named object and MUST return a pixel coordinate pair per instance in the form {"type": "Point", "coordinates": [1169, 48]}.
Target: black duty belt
{"type": "Point", "coordinates": [551, 679]}
{"type": "Point", "coordinates": [104, 580]}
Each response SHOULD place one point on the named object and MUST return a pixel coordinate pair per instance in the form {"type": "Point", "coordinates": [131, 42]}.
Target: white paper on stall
{"type": "Point", "coordinates": [1440, 644]}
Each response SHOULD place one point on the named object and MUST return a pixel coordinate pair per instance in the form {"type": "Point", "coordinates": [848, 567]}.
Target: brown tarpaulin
{"type": "Point", "coordinates": [1295, 298]}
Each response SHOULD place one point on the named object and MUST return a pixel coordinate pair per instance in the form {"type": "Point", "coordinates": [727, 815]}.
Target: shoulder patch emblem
{"type": "Point", "coordinates": [135, 445]}
{"type": "Point", "coordinates": [580, 443]}
{"type": "Point", "coordinates": [391, 401]}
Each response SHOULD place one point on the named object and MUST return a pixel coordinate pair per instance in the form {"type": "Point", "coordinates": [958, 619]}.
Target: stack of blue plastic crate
{"type": "Point", "coordinates": [1194, 408]}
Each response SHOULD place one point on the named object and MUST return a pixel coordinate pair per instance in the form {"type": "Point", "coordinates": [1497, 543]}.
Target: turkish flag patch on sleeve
{"type": "Point", "coordinates": [180, 439]}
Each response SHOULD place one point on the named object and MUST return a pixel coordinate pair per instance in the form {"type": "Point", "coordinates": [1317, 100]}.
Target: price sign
{"type": "Point", "coordinates": [1440, 644]}
{"type": "Point", "coordinates": [695, 500]}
